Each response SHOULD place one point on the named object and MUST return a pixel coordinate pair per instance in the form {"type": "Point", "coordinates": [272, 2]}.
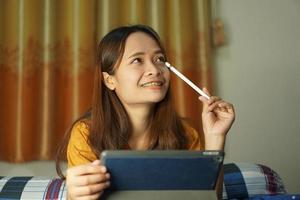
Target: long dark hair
{"type": "Point", "coordinates": [108, 122]}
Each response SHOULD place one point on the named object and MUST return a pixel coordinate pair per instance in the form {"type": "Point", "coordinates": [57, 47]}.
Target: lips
{"type": "Point", "coordinates": [152, 84]}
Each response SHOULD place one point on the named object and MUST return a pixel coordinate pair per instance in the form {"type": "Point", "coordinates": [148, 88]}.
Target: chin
{"type": "Point", "coordinates": [156, 99]}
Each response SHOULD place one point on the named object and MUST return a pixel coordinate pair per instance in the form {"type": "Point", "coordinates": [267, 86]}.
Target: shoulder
{"type": "Point", "coordinates": [79, 150]}
{"type": "Point", "coordinates": [80, 134]}
{"type": "Point", "coordinates": [81, 129]}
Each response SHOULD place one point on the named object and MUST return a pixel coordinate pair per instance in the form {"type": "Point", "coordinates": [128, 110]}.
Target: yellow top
{"type": "Point", "coordinates": [79, 151]}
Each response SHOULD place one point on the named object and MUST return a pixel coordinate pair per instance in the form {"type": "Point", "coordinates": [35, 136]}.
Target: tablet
{"type": "Point", "coordinates": [162, 170]}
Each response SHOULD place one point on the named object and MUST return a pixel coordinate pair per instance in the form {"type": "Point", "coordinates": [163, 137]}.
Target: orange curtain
{"type": "Point", "coordinates": [47, 61]}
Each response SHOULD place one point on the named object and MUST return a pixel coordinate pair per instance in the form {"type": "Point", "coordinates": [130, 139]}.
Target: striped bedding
{"type": "Point", "coordinates": [32, 188]}
{"type": "Point", "coordinates": [245, 180]}
{"type": "Point", "coordinates": [241, 181]}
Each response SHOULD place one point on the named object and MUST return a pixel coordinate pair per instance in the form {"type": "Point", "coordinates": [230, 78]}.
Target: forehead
{"type": "Point", "coordinates": [140, 42]}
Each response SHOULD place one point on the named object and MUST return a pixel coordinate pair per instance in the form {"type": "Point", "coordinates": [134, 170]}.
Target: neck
{"type": "Point", "coordinates": [139, 116]}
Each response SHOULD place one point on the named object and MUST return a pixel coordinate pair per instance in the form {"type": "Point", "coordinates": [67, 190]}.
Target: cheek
{"type": "Point", "coordinates": [167, 76]}
{"type": "Point", "coordinates": [127, 86]}
{"type": "Point", "coordinates": [128, 79]}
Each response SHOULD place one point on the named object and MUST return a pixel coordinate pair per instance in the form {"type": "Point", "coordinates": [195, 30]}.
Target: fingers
{"type": "Point", "coordinates": [211, 103]}
{"type": "Point", "coordinates": [205, 90]}
{"type": "Point", "coordinates": [202, 98]}
{"type": "Point", "coordinates": [215, 103]}
{"type": "Point", "coordinates": [225, 107]}
{"type": "Point", "coordinates": [96, 162]}
{"type": "Point", "coordinates": [219, 105]}
{"type": "Point", "coordinates": [87, 181]}
{"type": "Point", "coordinates": [87, 169]}
{"type": "Point", "coordinates": [89, 190]}
{"type": "Point", "coordinates": [87, 174]}
{"type": "Point", "coordinates": [91, 179]}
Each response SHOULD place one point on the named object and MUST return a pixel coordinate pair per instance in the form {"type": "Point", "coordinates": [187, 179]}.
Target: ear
{"type": "Point", "coordinates": [109, 81]}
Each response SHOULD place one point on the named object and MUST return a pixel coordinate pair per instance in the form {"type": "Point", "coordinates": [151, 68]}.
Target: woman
{"type": "Point", "coordinates": [132, 109]}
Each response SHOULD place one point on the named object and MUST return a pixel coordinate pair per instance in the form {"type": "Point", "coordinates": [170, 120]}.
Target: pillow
{"type": "Point", "coordinates": [244, 180]}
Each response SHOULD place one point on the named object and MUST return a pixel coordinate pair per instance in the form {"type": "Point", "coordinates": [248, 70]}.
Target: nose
{"type": "Point", "coordinates": [153, 70]}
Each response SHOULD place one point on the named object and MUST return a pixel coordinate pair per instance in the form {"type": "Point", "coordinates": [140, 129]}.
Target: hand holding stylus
{"type": "Point", "coordinates": [217, 118]}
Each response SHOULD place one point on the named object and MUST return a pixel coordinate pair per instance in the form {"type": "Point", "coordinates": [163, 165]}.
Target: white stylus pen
{"type": "Point", "coordinates": [190, 83]}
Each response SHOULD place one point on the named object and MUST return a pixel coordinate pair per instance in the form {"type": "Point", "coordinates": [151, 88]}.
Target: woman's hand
{"type": "Point", "coordinates": [217, 118]}
{"type": "Point", "coordinates": [87, 181]}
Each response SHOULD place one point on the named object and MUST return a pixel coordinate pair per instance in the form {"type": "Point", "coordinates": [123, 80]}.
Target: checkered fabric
{"type": "Point", "coordinates": [245, 180]}
{"type": "Point", "coordinates": [31, 188]}
{"type": "Point", "coordinates": [241, 181]}
{"type": "Point", "coordinates": [277, 197]}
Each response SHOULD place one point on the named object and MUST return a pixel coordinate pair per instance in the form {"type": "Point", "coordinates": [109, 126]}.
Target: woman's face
{"type": "Point", "coordinates": [141, 77]}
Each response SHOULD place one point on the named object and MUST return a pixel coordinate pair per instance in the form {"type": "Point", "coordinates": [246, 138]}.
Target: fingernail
{"type": "Point", "coordinates": [107, 175]}
{"type": "Point", "coordinates": [96, 162]}
{"type": "Point", "coordinates": [103, 169]}
{"type": "Point", "coordinates": [201, 98]}
{"type": "Point", "coordinates": [108, 183]}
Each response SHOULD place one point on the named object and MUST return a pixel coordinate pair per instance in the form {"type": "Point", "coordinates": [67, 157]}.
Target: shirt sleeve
{"type": "Point", "coordinates": [194, 141]}
{"type": "Point", "coordinates": [78, 150]}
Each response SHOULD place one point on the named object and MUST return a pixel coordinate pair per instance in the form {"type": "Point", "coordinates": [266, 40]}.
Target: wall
{"type": "Point", "coordinates": [258, 71]}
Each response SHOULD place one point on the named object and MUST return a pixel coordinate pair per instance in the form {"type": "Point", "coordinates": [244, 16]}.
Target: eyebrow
{"type": "Point", "coordinates": [142, 53]}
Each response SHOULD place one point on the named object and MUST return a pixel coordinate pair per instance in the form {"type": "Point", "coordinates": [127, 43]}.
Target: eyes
{"type": "Point", "coordinates": [157, 59]}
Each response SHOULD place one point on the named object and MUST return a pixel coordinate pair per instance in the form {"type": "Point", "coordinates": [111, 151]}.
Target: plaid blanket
{"type": "Point", "coordinates": [241, 181]}
{"type": "Point", "coordinates": [277, 197]}
{"type": "Point", "coordinates": [32, 188]}
{"type": "Point", "coordinates": [245, 180]}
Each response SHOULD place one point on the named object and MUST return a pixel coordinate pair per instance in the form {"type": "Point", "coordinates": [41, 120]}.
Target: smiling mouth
{"type": "Point", "coordinates": [152, 83]}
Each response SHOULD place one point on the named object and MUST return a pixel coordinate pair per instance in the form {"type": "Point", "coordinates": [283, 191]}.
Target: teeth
{"type": "Point", "coordinates": [152, 84]}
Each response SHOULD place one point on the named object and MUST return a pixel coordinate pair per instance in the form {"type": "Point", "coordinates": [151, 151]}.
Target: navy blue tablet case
{"type": "Point", "coordinates": [163, 170]}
